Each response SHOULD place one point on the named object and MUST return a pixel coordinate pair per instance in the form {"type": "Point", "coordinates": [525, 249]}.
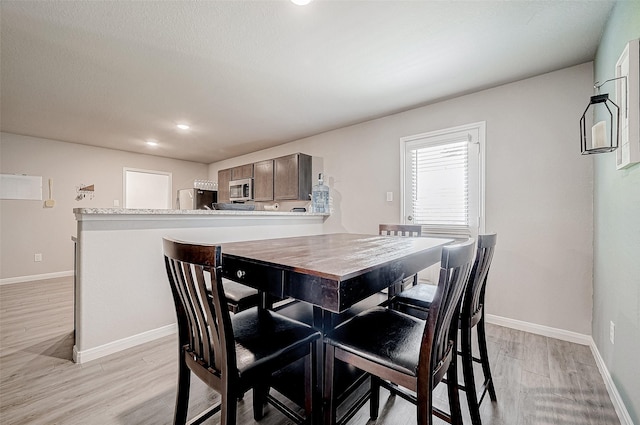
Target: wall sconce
{"type": "Point", "coordinates": [602, 136]}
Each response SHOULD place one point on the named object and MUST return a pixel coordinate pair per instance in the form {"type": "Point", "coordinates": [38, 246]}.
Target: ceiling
{"type": "Point", "coordinates": [247, 75]}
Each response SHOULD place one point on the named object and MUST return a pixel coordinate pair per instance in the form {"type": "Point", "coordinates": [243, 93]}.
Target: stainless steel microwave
{"type": "Point", "coordinates": [241, 190]}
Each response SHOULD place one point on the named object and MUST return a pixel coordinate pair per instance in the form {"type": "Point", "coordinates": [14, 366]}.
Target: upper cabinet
{"type": "Point", "coordinates": [224, 176]}
{"type": "Point", "coordinates": [263, 180]}
{"type": "Point", "coordinates": [242, 172]}
{"type": "Point", "coordinates": [235, 173]}
{"type": "Point", "coordinates": [287, 178]}
{"type": "Point", "coordinates": [292, 177]}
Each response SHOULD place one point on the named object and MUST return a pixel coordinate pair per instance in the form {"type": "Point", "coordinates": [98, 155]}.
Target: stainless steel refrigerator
{"type": "Point", "coordinates": [196, 199]}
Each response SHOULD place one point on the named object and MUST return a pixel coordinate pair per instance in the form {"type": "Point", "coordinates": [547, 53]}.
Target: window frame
{"type": "Point", "coordinates": [477, 136]}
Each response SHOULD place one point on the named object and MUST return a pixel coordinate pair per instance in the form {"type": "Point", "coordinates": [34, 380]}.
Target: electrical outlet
{"type": "Point", "coordinates": [116, 202]}
{"type": "Point", "coordinates": [612, 332]}
{"type": "Point", "coordinates": [37, 257]}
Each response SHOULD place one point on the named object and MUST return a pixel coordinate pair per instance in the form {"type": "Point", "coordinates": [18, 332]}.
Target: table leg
{"type": "Point", "coordinates": [324, 321]}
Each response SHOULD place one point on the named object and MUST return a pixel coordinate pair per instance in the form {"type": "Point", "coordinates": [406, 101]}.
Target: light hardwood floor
{"type": "Point", "coordinates": [539, 380]}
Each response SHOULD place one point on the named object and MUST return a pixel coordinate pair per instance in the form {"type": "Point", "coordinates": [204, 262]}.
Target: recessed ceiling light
{"type": "Point", "coordinates": [152, 142]}
{"type": "Point", "coordinates": [182, 126]}
{"type": "Point", "coordinates": [301, 2]}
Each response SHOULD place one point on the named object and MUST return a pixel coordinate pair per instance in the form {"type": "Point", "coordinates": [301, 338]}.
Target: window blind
{"type": "Point", "coordinates": [440, 187]}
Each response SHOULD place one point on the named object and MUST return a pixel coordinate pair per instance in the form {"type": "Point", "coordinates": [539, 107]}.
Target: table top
{"type": "Point", "coordinates": [337, 256]}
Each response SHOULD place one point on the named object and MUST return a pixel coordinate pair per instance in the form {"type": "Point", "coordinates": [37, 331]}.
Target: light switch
{"type": "Point", "coordinates": [389, 196]}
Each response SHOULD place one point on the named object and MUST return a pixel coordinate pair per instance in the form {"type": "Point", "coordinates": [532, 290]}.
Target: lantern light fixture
{"type": "Point", "coordinates": [602, 136]}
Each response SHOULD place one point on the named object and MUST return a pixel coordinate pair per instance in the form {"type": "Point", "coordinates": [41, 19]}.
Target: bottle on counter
{"type": "Point", "coordinates": [320, 197]}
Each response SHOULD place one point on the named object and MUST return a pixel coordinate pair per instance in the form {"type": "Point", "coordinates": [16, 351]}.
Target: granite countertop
{"type": "Point", "coordinates": [125, 211]}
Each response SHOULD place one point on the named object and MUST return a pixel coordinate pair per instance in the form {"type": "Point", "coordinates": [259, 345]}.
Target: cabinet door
{"type": "Point", "coordinates": [263, 180]}
{"type": "Point", "coordinates": [242, 172]}
{"type": "Point", "coordinates": [224, 176]}
{"type": "Point", "coordinates": [285, 185]}
{"type": "Point", "coordinates": [292, 177]}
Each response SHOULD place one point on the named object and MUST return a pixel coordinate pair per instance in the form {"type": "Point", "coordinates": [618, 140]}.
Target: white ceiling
{"type": "Point", "coordinates": [247, 75]}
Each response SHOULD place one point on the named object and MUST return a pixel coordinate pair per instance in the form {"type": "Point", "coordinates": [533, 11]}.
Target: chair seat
{"type": "Point", "coordinates": [420, 295]}
{"type": "Point", "coordinates": [237, 292]}
{"type": "Point", "coordinates": [384, 336]}
{"type": "Point", "coordinates": [263, 337]}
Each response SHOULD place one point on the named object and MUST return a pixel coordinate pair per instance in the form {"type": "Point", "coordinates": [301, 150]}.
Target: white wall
{"type": "Point", "coordinates": [26, 227]}
{"type": "Point", "coordinates": [538, 188]}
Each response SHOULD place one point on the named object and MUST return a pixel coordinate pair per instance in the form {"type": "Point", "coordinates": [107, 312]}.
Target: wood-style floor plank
{"type": "Point", "coordinates": [539, 381]}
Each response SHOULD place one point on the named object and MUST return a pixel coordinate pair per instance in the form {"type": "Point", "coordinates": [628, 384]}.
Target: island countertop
{"type": "Point", "coordinates": [82, 213]}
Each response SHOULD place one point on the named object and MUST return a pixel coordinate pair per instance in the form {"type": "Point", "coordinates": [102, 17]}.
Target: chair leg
{"type": "Point", "coordinates": [467, 371]}
{"type": "Point", "coordinates": [484, 358]}
{"type": "Point", "coordinates": [260, 394]}
{"type": "Point", "coordinates": [425, 408]}
{"type": "Point", "coordinates": [374, 400]}
{"type": "Point", "coordinates": [229, 409]}
{"type": "Point", "coordinates": [327, 394]}
{"type": "Point", "coordinates": [182, 396]}
{"type": "Point", "coordinates": [452, 387]}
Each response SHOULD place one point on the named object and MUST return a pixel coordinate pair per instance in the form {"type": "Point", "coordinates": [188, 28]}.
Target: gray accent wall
{"type": "Point", "coordinates": [616, 282]}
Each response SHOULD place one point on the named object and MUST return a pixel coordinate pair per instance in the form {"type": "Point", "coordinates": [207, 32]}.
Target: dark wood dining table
{"type": "Point", "coordinates": [332, 272]}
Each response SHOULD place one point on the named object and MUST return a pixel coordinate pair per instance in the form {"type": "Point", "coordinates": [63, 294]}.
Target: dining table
{"type": "Point", "coordinates": [332, 272]}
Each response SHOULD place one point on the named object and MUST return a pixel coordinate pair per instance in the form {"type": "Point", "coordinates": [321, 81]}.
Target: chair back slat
{"type": "Point", "coordinates": [204, 322]}
{"type": "Point", "coordinates": [440, 328]}
{"type": "Point", "coordinates": [194, 282]}
{"type": "Point", "coordinates": [409, 230]}
{"type": "Point", "coordinates": [474, 294]}
{"type": "Point", "coordinates": [186, 318]}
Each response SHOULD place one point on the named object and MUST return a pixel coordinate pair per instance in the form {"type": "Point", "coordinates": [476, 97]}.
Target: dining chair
{"type": "Point", "coordinates": [402, 352]}
{"type": "Point", "coordinates": [239, 297]}
{"type": "Point", "coordinates": [420, 298]}
{"type": "Point", "coordinates": [407, 230]}
{"type": "Point", "coordinates": [231, 354]}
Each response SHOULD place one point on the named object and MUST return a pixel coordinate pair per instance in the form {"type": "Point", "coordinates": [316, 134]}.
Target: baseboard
{"type": "Point", "coordinates": [21, 279]}
{"type": "Point", "coordinates": [122, 344]}
{"type": "Point", "coordinates": [614, 395]}
{"type": "Point", "coordinates": [533, 328]}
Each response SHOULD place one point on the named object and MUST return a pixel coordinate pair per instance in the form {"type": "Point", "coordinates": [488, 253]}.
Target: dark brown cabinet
{"type": "Point", "coordinates": [292, 177]}
{"type": "Point", "coordinates": [224, 176]}
{"type": "Point", "coordinates": [287, 178]}
{"type": "Point", "coordinates": [242, 172]}
{"type": "Point", "coordinates": [263, 180]}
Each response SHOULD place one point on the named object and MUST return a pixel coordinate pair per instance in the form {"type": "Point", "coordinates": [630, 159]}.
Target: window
{"type": "Point", "coordinates": [443, 181]}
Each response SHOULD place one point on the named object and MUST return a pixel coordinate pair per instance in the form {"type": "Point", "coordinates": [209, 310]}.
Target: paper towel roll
{"type": "Point", "coordinates": [273, 207]}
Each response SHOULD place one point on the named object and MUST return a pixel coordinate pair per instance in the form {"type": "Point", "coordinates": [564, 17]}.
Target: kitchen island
{"type": "Point", "coordinates": [122, 296]}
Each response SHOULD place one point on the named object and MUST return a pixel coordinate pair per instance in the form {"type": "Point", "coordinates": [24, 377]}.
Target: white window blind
{"type": "Point", "coordinates": [443, 181]}
{"type": "Point", "coordinates": [440, 187]}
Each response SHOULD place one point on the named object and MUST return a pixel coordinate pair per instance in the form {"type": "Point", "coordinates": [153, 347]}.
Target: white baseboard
{"type": "Point", "coordinates": [122, 344]}
{"type": "Point", "coordinates": [20, 279]}
{"type": "Point", "coordinates": [533, 328]}
{"type": "Point", "coordinates": [614, 395]}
